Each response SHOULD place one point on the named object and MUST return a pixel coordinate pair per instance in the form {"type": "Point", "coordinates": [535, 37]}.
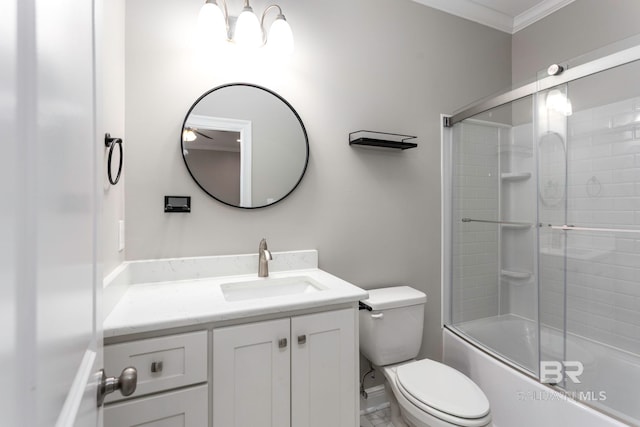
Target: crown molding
{"type": "Point", "coordinates": [476, 12]}
{"type": "Point", "coordinates": [537, 12]}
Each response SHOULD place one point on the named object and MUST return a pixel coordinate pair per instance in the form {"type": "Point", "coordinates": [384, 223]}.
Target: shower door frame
{"type": "Point", "coordinates": [604, 63]}
{"type": "Point", "coordinates": [598, 65]}
{"type": "Point", "coordinates": [622, 57]}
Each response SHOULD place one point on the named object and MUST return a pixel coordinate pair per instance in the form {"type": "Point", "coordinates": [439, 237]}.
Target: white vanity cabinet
{"type": "Point", "coordinates": [181, 408]}
{"type": "Point", "coordinates": [172, 376]}
{"type": "Point", "coordinates": [251, 374]}
{"type": "Point", "coordinates": [293, 372]}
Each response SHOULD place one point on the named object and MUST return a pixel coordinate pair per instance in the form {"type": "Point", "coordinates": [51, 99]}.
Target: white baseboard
{"type": "Point", "coordinates": [376, 400]}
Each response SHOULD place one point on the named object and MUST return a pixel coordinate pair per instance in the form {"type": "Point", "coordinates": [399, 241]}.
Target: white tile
{"type": "Point", "coordinates": [364, 421]}
{"type": "Point", "coordinates": [381, 418]}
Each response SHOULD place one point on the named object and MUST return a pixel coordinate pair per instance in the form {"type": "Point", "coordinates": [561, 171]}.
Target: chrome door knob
{"type": "Point", "coordinates": [126, 383]}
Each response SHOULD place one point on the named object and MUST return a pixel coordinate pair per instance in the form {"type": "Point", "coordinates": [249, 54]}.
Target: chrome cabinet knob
{"type": "Point", "coordinates": [282, 343]}
{"type": "Point", "coordinates": [156, 367]}
{"type": "Point", "coordinates": [126, 383]}
{"type": "Point", "coordinates": [302, 339]}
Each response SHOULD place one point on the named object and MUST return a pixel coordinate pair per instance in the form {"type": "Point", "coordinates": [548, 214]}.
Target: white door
{"type": "Point", "coordinates": [50, 347]}
{"type": "Point", "coordinates": [324, 347]}
{"type": "Point", "coordinates": [251, 374]}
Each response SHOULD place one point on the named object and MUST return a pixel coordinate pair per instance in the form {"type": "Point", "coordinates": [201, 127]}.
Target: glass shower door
{"type": "Point", "coordinates": [589, 193]}
{"type": "Point", "coordinates": [553, 106]}
{"type": "Point", "coordinates": [493, 278]}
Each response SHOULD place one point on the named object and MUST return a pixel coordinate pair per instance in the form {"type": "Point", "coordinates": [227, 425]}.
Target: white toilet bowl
{"type": "Point", "coordinates": [431, 394]}
{"type": "Point", "coordinates": [423, 393]}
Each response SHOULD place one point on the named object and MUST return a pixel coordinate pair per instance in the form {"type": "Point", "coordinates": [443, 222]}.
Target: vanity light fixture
{"type": "Point", "coordinates": [215, 24]}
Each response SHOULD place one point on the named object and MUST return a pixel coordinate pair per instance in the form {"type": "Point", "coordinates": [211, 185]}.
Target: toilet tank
{"type": "Point", "coordinates": [391, 324]}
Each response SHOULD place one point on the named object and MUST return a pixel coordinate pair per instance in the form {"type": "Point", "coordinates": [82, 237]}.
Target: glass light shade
{"type": "Point", "coordinates": [281, 37]}
{"type": "Point", "coordinates": [568, 111]}
{"type": "Point", "coordinates": [212, 26]}
{"type": "Point", "coordinates": [248, 32]}
{"type": "Point", "coordinates": [558, 102]}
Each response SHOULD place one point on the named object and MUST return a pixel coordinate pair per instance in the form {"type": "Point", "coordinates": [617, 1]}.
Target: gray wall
{"type": "Point", "coordinates": [387, 65]}
{"type": "Point", "coordinates": [574, 30]}
{"type": "Point", "coordinates": [111, 103]}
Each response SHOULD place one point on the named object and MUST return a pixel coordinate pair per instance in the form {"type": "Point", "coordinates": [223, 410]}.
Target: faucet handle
{"type": "Point", "coordinates": [264, 249]}
{"type": "Point", "coordinates": [264, 256]}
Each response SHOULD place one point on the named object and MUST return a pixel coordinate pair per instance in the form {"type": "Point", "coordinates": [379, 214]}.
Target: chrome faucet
{"type": "Point", "coordinates": [264, 256]}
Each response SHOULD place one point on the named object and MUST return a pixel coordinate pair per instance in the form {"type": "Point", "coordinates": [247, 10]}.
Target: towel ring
{"type": "Point", "coordinates": [111, 143]}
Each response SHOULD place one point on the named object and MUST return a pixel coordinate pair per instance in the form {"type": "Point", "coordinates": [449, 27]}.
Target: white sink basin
{"type": "Point", "coordinates": [270, 287]}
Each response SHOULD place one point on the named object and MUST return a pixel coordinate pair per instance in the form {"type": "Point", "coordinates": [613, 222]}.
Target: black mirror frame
{"type": "Point", "coordinates": [304, 131]}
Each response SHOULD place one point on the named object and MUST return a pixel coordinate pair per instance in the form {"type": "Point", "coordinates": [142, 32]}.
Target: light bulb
{"type": "Point", "coordinates": [280, 36]}
{"type": "Point", "coordinates": [248, 33]}
{"type": "Point", "coordinates": [189, 135]}
{"type": "Point", "coordinates": [558, 102]}
{"type": "Point", "coordinates": [568, 110]}
{"type": "Point", "coordinates": [212, 26]}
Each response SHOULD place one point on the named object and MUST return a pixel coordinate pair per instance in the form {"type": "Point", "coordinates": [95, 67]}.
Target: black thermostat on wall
{"type": "Point", "coordinates": [177, 203]}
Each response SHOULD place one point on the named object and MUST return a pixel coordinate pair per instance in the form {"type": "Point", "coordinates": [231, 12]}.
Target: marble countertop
{"type": "Point", "coordinates": [153, 306]}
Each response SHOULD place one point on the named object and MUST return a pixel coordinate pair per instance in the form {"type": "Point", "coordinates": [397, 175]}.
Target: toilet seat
{"type": "Point", "coordinates": [443, 392]}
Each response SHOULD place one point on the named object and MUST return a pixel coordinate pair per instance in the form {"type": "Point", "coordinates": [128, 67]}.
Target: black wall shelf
{"type": "Point", "coordinates": [381, 139]}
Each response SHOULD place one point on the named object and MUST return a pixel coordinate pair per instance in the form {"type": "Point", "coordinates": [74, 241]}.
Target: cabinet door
{"type": "Point", "coordinates": [184, 408]}
{"type": "Point", "coordinates": [323, 369]}
{"type": "Point", "coordinates": [251, 375]}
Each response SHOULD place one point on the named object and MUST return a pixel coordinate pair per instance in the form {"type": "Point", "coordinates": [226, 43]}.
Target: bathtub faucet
{"type": "Point", "coordinates": [264, 256]}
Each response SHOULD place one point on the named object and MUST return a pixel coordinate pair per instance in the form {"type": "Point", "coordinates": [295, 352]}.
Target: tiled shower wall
{"type": "Point", "coordinates": [602, 268]}
{"type": "Point", "coordinates": [475, 290]}
{"type": "Point", "coordinates": [603, 191]}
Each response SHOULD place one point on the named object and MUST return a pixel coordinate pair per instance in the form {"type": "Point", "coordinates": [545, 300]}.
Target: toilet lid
{"type": "Point", "coordinates": [443, 388]}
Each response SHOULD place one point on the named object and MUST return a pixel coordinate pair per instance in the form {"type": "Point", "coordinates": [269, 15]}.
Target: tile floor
{"type": "Point", "coordinates": [381, 418]}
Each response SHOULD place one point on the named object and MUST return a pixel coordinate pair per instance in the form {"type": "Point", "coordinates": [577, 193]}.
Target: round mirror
{"type": "Point", "coordinates": [244, 145]}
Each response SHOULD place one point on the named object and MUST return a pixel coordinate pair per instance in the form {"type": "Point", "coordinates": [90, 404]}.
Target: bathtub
{"type": "Point", "coordinates": [519, 400]}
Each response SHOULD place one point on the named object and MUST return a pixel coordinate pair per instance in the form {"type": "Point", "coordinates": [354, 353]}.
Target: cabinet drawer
{"type": "Point", "coordinates": [183, 408]}
{"type": "Point", "coordinates": [162, 363]}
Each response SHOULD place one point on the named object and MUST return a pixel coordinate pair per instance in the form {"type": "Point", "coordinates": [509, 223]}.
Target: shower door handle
{"type": "Point", "coordinates": [566, 227]}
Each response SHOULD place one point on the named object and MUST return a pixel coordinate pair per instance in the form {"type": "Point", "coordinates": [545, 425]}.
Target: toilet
{"type": "Point", "coordinates": [422, 393]}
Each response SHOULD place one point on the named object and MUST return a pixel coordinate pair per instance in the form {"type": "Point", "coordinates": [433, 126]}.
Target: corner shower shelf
{"type": "Point", "coordinates": [381, 139]}
{"type": "Point", "coordinates": [516, 274]}
{"type": "Point", "coordinates": [515, 176]}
